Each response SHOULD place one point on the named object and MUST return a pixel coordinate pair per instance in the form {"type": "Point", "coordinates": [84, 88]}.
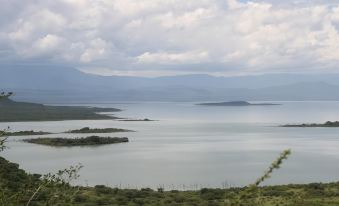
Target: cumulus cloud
{"type": "Point", "coordinates": [174, 36]}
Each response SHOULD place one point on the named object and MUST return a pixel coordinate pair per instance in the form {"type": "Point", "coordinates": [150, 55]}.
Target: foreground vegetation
{"type": "Point", "coordinates": [91, 140]}
{"type": "Point", "coordinates": [19, 188]}
{"type": "Point", "coordinates": [87, 130]}
{"type": "Point", "coordinates": [326, 124]}
{"type": "Point", "coordinates": [12, 111]}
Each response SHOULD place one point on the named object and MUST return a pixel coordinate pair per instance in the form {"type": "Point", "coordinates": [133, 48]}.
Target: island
{"type": "Point", "coordinates": [236, 103]}
{"type": "Point", "coordinates": [85, 141]}
{"type": "Point", "coordinates": [137, 120]}
{"type": "Point", "coordinates": [24, 133]}
{"type": "Point", "coordinates": [13, 111]}
{"type": "Point", "coordinates": [326, 124]}
{"type": "Point", "coordinates": [98, 130]}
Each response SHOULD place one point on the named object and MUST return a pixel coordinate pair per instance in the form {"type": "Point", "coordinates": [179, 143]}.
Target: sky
{"type": "Point", "coordinates": [172, 37]}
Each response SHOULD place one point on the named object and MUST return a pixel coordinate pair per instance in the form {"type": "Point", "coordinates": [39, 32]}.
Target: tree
{"type": "Point", "coordinates": [4, 95]}
{"type": "Point", "coordinates": [3, 139]}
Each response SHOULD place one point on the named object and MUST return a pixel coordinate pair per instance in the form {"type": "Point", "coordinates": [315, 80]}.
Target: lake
{"type": "Point", "coordinates": [192, 146]}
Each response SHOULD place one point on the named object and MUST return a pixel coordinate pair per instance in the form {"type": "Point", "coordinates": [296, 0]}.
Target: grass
{"type": "Point", "coordinates": [313, 194]}
{"type": "Point", "coordinates": [91, 140]}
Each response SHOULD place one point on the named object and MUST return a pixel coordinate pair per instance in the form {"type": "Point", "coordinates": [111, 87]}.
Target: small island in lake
{"type": "Point", "coordinates": [137, 120]}
{"type": "Point", "coordinates": [12, 111]}
{"type": "Point", "coordinates": [236, 103]}
{"type": "Point", "coordinates": [98, 130]}
{"type": "Point", "coordinates": [326, 124]}
{"type": "Point", "coordinates": [86, 141]}
{"type": "Point", "coordinates": [24, 133]}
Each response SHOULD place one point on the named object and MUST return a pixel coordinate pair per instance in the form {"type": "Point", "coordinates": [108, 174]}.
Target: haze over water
{"type": "Point", "coordinates": [193, 146]}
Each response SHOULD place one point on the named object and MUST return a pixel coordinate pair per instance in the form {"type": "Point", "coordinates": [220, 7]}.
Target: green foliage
{"type": "Point", "coordinates": [15, 185]}
{"type": "Point", "coordinates": [252, 194]}
{"type": "Point", "coordinates": [55, 189]}
{"type": "Point", "coordinates": [91, 140]}
{"type": "Point", "coordinates": [4, 95]}
{"type": "Point", "coordinates": [19, 188]}
{"type": "Point", "coordinates": [274, 166]}
{"type": "Point", "coordinates": [3, 139]}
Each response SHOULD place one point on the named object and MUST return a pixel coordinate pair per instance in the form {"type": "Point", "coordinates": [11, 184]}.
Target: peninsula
{"type": "Point", "coordinates": [86, 141]}
{"type": "Point", "coordinates": [12, 111]}
{"type": "Point", "coordinates": [236, 104]}
{"type": "Point", "coordinates": [26, 133]}
{"type": "Point", "coordinates": [326, 124]}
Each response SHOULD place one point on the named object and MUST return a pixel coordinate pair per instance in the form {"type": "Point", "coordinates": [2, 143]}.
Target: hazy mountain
{"type": "Point", "coordinates": [63, 84]}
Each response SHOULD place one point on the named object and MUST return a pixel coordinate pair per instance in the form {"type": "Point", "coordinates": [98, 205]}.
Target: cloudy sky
{"type": "Point", "coordinates": [166, 37]}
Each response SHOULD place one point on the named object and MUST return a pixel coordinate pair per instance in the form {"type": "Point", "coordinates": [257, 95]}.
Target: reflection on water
{"type": "Point", "coordinates": [194, 146]}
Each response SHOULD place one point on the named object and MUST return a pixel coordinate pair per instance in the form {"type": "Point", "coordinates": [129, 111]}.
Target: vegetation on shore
{"type": "Point", "coordinates": [315, 194]}
{"type": "Point", "coordinates": [85, 141]}
{"type": "Point", "coordinates": [20, 188]}
{"type": "Point", "coordinates": [28, 132]}
{"type": "Point", "coordinates": [326, 124]}
{"type": "Point", "coordinates": [12, 111]}
{"type": "Point", "coordinates": [87, 130]}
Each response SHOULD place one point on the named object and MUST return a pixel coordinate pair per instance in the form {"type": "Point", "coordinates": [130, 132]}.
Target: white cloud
{"type": "Point", "coordinates": [173, 58]}
{"type": "Point", "coordinates": [188, 19]}
{"type": "Point", "coordinates": [22, 33]}
{"type": "Point", "coordinates": [47, 46]}
{"type": "Point", "coordinates": [97, 50]}
{"type": "Point", "coordinates": [167, 35]}
{"type": "Point", "coordinates": [48, 42]}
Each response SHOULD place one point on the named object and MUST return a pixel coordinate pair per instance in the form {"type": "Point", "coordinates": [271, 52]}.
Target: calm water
{"type": "Point", "coordinates": [193, 146]}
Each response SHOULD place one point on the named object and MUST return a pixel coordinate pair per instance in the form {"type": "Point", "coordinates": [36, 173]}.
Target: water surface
{"type": "Point", "coordinates": [193, 146]}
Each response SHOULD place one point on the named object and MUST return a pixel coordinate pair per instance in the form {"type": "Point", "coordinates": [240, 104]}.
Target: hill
{"type": "Point", "coordinates": [12, 111]}
{"type": "Point", "coordinates": [59, 84]}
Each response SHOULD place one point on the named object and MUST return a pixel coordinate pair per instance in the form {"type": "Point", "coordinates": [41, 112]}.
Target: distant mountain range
{"type": "Point", "coordinates": [58, 84]}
